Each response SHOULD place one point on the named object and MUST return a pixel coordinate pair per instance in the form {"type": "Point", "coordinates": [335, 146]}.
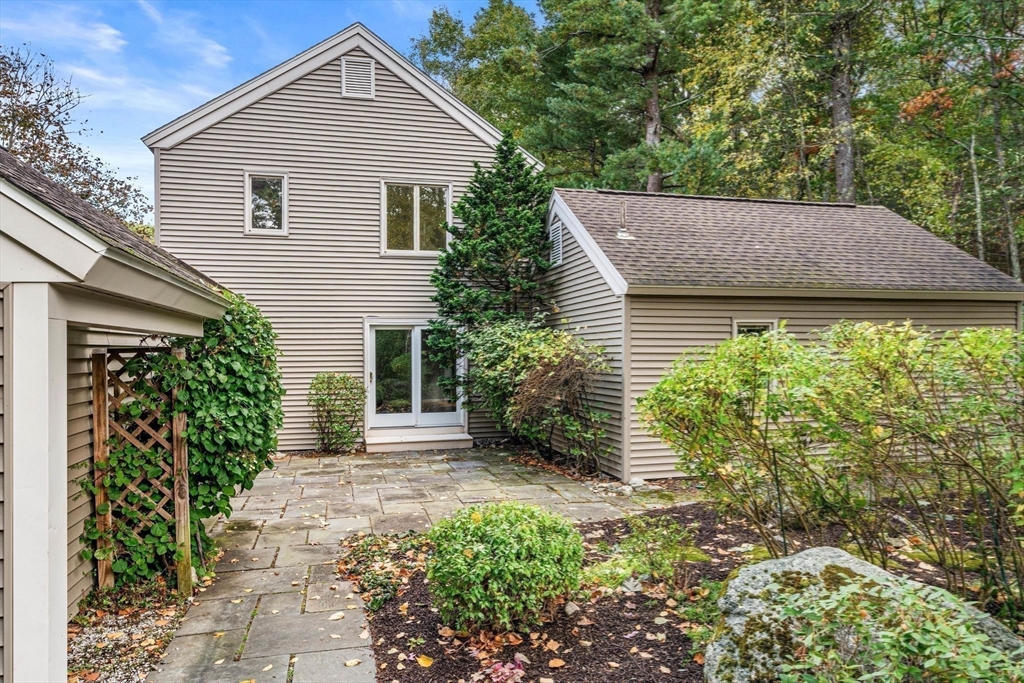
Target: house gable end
{"type": "Point", "coordinates": [558, 209]}
{"type": "Point", "coordinates": [356, 39]}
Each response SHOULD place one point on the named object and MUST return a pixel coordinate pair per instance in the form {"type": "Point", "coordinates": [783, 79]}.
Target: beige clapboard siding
{"type": "Point", "coordinates": [3, 470]}
{"type": "Point", "coordinates": [81, 343]}
{"type": "Point", "coordinates": [318, 284]}
{"type": "Point", "coordinates": [662, 327]}
{"type": "Point", "coordinates": [588, 308]}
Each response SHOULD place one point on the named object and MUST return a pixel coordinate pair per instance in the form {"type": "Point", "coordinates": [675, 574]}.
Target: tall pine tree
{"type": "Point", "coordinates": [499, 248]}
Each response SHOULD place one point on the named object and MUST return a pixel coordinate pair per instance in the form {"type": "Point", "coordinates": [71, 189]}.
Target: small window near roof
{"type": "Point", "coordinates": [555, 238]}
{"type": "Point", "coordinates": [357, 77]}
{"type": "Point", "coordinates": [752, 327]}
{"type": "Point", "coordinates": [266, 203]}
{"type": "Point", "coordinates": [415, 217]}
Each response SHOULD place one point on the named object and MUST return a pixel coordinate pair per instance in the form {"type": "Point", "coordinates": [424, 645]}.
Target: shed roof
{"type": "Point", "coordinates": [97, 223]}
{"type": "Point", "coordinates": [692, 241]}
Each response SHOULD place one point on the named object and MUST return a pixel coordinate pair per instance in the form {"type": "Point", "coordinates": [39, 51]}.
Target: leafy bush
{"type": "Point", "coordinates": [887, 430]}
{"type": "Point", "coordinates": [500, 566]}
{"type": "Point", "coordinates": [337, 401]}
{"type": "Point", "coordinates": [229, 386]}
{"type": "Point", "coordinates": [890, 633]}
{"type": "Point", "coordinates": [537, 383]}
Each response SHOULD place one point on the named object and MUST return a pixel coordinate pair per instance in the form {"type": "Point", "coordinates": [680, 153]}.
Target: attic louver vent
{"type": "Point", "coordinates": [357, 77]}
{"type": "Point", "coordinates": [555, 237]}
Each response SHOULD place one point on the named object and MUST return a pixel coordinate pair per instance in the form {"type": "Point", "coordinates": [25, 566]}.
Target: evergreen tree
{"type": "Point", "coordinates": [489, 271]}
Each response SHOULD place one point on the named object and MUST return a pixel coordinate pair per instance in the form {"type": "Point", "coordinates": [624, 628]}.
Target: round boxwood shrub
{"type": "Point", "coordinates": [499, 566]}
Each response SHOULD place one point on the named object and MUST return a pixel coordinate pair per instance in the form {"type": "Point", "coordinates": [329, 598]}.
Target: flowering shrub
{"type": "Point", "coordinates": [500, 566]}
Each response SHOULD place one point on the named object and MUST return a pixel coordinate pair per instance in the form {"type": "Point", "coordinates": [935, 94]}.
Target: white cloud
{"type": "Point", "coordinates": [63, 24]}
{"type": "Point", "coordinates": [177, 31]}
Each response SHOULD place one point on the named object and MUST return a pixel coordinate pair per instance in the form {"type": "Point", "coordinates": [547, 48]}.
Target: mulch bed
{"type": "Point", "coordinates": [616, 637]}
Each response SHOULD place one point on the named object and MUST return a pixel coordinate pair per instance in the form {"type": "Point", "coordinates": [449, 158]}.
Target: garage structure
{"type": "Point", "coordinates": [72, 280]}
{"type": "Point", "coordinates": [649, 276]}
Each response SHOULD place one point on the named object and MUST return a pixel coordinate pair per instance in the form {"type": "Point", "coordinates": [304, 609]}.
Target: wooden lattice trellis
{"type": "Point", "coordinates": [117, 383]}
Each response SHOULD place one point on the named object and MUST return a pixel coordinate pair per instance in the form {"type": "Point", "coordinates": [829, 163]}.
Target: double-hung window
{"type": "Point", "coordinates": [415, 217]}
{"type": "Point", "coordinates": [266, 203]}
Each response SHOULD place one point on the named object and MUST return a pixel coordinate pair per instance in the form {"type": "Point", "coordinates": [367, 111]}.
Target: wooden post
{"type": "Point", "coordinates": [181, 512]}
{"type": "Point", "coordinates": [100, 434]}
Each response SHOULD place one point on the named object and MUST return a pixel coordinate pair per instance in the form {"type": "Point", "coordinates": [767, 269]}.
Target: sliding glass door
{"type": "Point", "coordinates": [405, 384]}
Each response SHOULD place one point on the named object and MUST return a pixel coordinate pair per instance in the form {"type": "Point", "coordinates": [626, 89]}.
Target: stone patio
{"type": "Point", "coordinates": [270, 609]}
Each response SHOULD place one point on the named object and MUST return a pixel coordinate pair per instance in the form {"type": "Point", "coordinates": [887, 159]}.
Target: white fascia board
{"type": "Point", "coordinates": [81, 254]}
{"type": "Point", "coordinates": [71, 249]}
{"type": "Point", "coordinates": [604, 266]}
{"type": "Point", "coordinates": [782, 292]}
{"type": "Point", "coordinates": [355, 36]}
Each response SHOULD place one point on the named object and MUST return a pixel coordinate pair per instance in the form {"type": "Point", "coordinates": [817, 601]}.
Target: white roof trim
{"type": "Point", "coordinates": [587, 244]}
{"type": "Point", "coordinates": [353, 37]}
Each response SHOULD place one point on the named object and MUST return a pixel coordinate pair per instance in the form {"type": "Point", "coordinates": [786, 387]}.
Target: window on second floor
{"type": "Point", "coordinates": [266, 199]}
{"type": "Point", "coordinates": [415, 217]}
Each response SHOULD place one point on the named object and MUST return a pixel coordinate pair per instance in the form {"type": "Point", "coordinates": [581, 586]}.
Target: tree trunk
{"type": "Point", "coordinates": [842, 107]}
{"type": "Point", "coordinates": [652, 108]}
{"type": "Point", "coordinates": [997, 141]}
{"type": "Point", "coordinates": [979, 233]}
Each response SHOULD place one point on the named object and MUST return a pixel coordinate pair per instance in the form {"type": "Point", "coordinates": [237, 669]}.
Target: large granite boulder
{"type": "Point", "coordinates": [754, 636]}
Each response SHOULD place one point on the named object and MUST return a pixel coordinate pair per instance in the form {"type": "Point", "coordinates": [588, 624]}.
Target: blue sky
{"type": "Point", "coordinates": [145, 62]}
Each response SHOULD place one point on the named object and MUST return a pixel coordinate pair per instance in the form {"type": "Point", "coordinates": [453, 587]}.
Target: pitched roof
{"type": "Point", "coordinates": [690, 241]}
{"type": "Point", "coordinates": [352, 37]}
{"type": "Point", "coordinates": [95, 222]}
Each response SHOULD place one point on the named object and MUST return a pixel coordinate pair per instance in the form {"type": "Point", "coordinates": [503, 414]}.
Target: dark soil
{"type": "Point", "coordinates": [613, 639]}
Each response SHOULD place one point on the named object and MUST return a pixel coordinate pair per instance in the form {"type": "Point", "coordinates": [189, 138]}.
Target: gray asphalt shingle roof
{"type": "Point", "coordinates": [96, 222]}
{"type": "Point", "coordinates": [725, 242]}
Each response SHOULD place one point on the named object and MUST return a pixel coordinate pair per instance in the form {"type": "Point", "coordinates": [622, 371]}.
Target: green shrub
{"type": "Point", "coordinates": [662, 548]}
{"type": "Point", "coordinates": [890, 633]}
{"type": "Point", "coordinates": [888, 431]}
{"type": "Point", "coordinates": [229, 386]}
{"type": "Point", "coordinates": [537, 383]}
{"type": "Point", "coordinates": [337, 401]}
{"type": "Point", "coordinates": [499, 566]}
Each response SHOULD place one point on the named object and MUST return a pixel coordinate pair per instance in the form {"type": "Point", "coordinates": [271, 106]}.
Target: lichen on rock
{"type": "Point", "coordinates": [755, 636]}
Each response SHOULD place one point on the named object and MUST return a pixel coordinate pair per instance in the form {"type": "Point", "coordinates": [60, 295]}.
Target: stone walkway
{"type": "Point", "coordinates": [270, 608]}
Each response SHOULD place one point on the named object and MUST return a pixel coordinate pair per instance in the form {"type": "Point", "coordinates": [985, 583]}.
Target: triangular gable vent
{"type": "Point", "coordinates": [357, 77]}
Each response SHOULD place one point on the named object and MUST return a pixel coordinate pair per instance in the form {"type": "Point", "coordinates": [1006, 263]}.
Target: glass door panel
{"type": "Point", "coordinates": [435, 405]}
{"type": "Point", "coordinates": [405, 384]}
{"type": "Point", "coordinates": [393, 374]}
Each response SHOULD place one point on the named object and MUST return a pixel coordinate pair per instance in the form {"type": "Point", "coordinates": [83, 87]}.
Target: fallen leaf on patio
{"type": "Point", "coordinates": [218, 634]}
{"type": "Point", "coordinates": [556, 664]}
{"type": "Point", "coordinates": [336, 616]}
{"type": "Point", "coordinates": [249, 680]}
{"type": "Point", "coordinates": [268, 667]}
{"type": "Point", "coordinates": [274, 611]}
{"type": "Point", "coordinates": [424, 661]}
{"type": "Point", "coordinates": [699, 658]}
{"type": "Point", "coordinates": [219, 661]}
{"type": "Point", "coordinates": [335, 635]}
{"type": "Point", "coordinates": [353, 662]}
{"type": "Point", "coordinates": [235, 602]}
{"type": "Point", "coordinates": [365, 634]}
{"type": "Point", "coordinates": [247, 590]}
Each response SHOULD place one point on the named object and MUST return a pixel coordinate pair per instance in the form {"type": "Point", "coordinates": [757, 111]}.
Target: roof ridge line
{"type": "Point", "coordinates": [759, 200]}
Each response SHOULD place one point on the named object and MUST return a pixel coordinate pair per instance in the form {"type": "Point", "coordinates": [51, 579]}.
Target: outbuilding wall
{"type": "Point", "coordinates": [661, 328]}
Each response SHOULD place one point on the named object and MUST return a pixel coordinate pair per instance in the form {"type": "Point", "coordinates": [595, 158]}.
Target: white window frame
{"type": "Point", "coordinates": [266, 173]}
{"type": "Point", "coordinates": [416, 419]}
{"type": "Point", "coordinates": [557, 223]}
{"type": "Point", "coordinates": [773, 324]}
{"type": "Point", "coordinates": [416, 251]}
{"type": "Point", "coordinates": [373, 78]}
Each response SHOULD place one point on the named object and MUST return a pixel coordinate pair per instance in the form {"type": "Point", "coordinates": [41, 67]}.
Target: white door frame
{"type": "Point", "coordinates": [415, 418]}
